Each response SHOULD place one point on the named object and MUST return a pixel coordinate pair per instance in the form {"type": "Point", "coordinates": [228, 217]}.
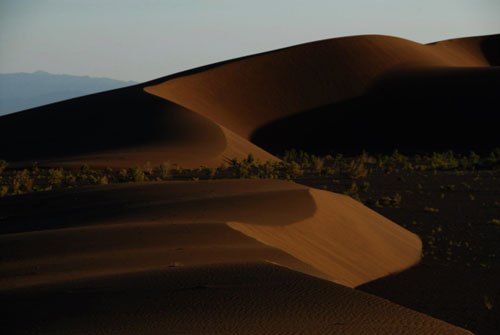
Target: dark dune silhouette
{"type": "Point", "coordinates": [354, 93]}
{"type": "Point", "coordinates": [417, 111]}
{"type": "Point", "coordinates": [119, 128]}
{"type": "Point", "coordinates": [346, 94]}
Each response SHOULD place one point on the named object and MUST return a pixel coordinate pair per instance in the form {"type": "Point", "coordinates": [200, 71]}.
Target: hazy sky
{"type": "Point", "coordinates": [145, 39]}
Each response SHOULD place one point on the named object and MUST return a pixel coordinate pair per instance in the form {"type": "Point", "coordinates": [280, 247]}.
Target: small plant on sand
{"type": "Point", "coordinates": [394, 201]}
{"type": "Point", "coordinates": [22, 182]}
{"type": "Point", "coordinates": [123, 175]}
{"type": "Point", "coordinates": [163, 171]}
{"type": "Point", "coordinates": [365, 186]}
{"type": "Point", "coordinates": [4, 190]}
{"type": "Point", "coordinates": [353, 191]}
{"type": "Point", "coordinates": [357, 169]}
{"type": "Point", "coordinates": [136, 174]}
{"type": "Point", "coordinates": [147, 168]}
{"type": "Point", "coordinates": [103, 180]}
{"type": "Point", "coordinates": [431, 209]}
{"type": "Point", "coordinates": [294, 170]}
{"type": "Point", "coordinates": [317, 164]}
{"type": "Point", "coordinates": [268, 170]}
{"type": "Point", "coordinates": [3, 166]}
{"type": "Point", "coordinates": [55, 177]}
{"type": "Point", "coordinates": [444, 161]}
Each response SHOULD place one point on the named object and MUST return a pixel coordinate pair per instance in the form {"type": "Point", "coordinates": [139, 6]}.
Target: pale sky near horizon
{"type": "Point", "coordinates": [142, 40]}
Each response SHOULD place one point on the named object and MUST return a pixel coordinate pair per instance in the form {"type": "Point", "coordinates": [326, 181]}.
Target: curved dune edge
{"type": "Point", "coordinates": [245, 94]}
{"type": "Point", "coordinates": [345, 240]}
{"type": "Point", "coordinates": [205, 116]}
{"type": "Point", "coordinates": [119, 129]}
{"type": "Point", "coordinates": [129, 252]}
{"type": "Point", "coordinates": [127, 228]}
{"type": "Point", "coordinates": [213, 151]}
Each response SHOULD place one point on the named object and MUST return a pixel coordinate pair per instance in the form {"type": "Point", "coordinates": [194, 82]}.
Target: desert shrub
{"type": "Point", "coordinates": [317, 164]}
{"type": "Point", "coordinates": [246, 168]}
{"type": "Point", "coordinates": [493, 159]}
{"type": "Point", "coordinates": [444, 161]}
{"type": "Point", "coordinates": [102, 180]}
{"type": "Point", "coordinates": [147, 168]}
{"type": "Point", "coordinates": [136, 174]}
{"type": "Point", "coordinates": [431, 209]}
{"type": "Point", "coordinates": [398, 158]}
{"type": "Point", "coordinates": [472, 161]}
{"type": "Point", "coordinates": [123, 175]}
{"type": "Point", "coordinates": [22, 182]}
{"type": "Point", "coordinates": [451, 188]}
{"type": "Point", "coordinates": [210, 172]}
{"type": "Point", "coordinates": [329, 171]}
{"type": "Point", "coordinates": [268, 170]}
{"type": "Point", "coordinates": [163, 171]}
{"type": "Point", "coordinates": [85, 169]}
{"type": "Point", "coordinates": [365, 186]}
{"type": "Point", "coordinates": [294, 170]}
{"type": "Point", "coordinates": [4, 190]}
{"type": "Point", "coordinates": [394, 201]}
{"type": "Point", "coordinates": [353, 191]}
{"type": "Point", "coordinates": [3, 166]}
{"type": "Point", "coordinates": [300, 157]}
{"type": "Point", "coordinates": [55, 177]}
{"type": "Point", "coordinates": [357, 169]}
{"type": "Point", "coordinates": [238, 169]}
{"type": "Point", "coordinates": [70, 179]}
{"type": "Point", "coordinates": [495, 221]}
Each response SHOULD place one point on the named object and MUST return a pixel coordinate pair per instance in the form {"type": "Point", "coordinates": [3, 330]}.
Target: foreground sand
{"type": "Point", "coordinates": [225, 299]}
{"type": "Point", "coordinates": [132, 227]}
{"type": "Point", "coordinates": [223, 257]}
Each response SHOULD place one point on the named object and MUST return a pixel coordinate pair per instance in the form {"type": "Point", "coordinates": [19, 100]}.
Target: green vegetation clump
{"type": "Point", "coordinates": [136, 174]}
{"type": "Point", "coordinates": [394, 201]}
{"type": "Point", "coordinates": [3, 166]}
{"type": "Point", "coordinates": [295, 165]}
{"type": "Point", "coordinates": [431, 209]}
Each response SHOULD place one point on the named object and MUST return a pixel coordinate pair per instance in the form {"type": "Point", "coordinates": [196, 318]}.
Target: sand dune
{"type": "Point", "coordinates": [224, 257]}
{"type": "Point", "coordinates": [121, 128]}
{"type": "Point", "coordinates": [208, 115]}
{"type": "Point", "coordinates": [246, 94]}
{"type": "Point", "coordinates": [126, 228]}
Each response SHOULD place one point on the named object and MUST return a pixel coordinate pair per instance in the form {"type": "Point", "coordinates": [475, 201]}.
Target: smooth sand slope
{"type": "Point", "coordinates": [340, 94]}
{"type": "Point", "coordinates": [246, 94]}
{"type": "Point", "coordinates": [224, 257]}
{"type": "Point", "coordinates": [121, 128]}
{"type": "Point", "coordinates": [252, 298]}
{"type": "Point", "coordinates": [160, 224]}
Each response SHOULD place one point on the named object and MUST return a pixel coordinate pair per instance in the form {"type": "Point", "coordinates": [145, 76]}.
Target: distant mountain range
{"type": "Point", "coordinates": [20, 91]}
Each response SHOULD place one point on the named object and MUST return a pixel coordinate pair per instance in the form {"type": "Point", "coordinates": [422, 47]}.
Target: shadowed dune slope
{"type": "Point", "coordinates": [245, 94]}
{"type": "Point", "coordinates": [225, 299]}
{"type": "Point", "coordinates": [125, 228]}
{"type": "Point", "coordinates": [120, 128]}
{"type": "Point", "coordinates": [417, 111]}
{"type": "Point", "coordinates": [207, 115]}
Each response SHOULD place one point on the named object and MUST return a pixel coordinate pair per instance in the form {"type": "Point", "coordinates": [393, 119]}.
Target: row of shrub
{"type": "Point", "coordinates": [294, 165]}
